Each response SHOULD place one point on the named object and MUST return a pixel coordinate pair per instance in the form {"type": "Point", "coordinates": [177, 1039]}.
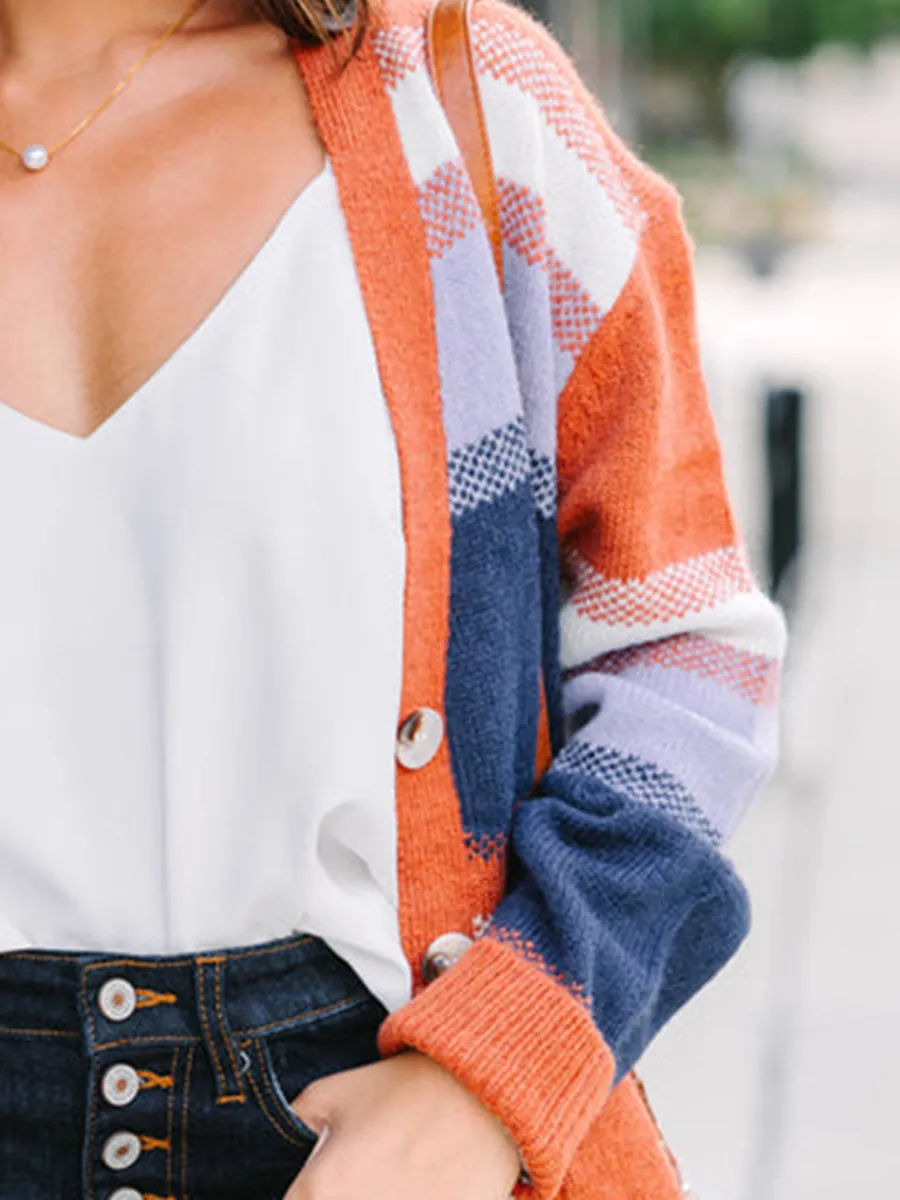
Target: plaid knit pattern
{"type": "Point", "coordinates": [642, 781]}
{"type": "Point", "coordinates": [607, 665]}
{"type": "Point", "coordinates": [670, 594]}
{"type": "Point", "coordinates": [495, 464]}
{"type": "Point", "coordinates": [752, 676]}
{"type": "Point", "coordinates": [449, 208]}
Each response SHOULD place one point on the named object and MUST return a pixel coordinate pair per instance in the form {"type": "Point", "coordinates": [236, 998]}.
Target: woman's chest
{"type": "Point", "coordinates": [117, 252]}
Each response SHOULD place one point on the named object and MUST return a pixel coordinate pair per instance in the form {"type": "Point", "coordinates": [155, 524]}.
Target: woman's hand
{"type": "Point", "coordinates": [402, 1129]}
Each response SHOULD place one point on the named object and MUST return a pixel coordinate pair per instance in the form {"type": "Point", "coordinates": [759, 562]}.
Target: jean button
{"type": "Point", "coordinates": [117, 1000]}
{"type": "Point", "coordinates": [120, 1085]}
{"type": "Point", "coordinates": [121, 1151]}
{"type": "Point", "coordinates": [125, 1194]}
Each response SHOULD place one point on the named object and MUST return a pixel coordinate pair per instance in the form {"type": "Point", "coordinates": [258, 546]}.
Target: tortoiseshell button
{"type": "Point", "coordinates": [420, 738]}
{"type": "Point", "coordinates": [443, 953]}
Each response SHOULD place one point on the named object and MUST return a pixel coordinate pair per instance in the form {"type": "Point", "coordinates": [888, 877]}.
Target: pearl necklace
{"type": "Point", "coordinates": [37, 156]}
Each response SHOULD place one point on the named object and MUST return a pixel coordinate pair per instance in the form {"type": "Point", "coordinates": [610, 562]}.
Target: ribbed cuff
{"type": "Point", "coordinates": [522, 1044]}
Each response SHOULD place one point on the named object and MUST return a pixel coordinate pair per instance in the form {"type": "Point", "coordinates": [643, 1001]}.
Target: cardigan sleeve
{"type": "Point", "coordinates": [620, 903]}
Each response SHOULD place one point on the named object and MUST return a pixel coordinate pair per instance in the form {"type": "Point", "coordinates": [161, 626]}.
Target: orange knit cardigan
{"type": "Point", "coordinates": [650, 563]}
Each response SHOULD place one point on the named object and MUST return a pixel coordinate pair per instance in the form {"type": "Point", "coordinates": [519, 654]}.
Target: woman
{"type": "Point", "coordinates": [379, 669]}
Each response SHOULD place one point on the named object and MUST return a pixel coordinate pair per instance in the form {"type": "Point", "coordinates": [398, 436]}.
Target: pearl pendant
{"type": "Point", "coordinates": [35, 158]}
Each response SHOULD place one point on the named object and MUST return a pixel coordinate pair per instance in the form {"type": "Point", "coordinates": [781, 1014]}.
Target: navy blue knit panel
{"type": "Point", "coordinates": [632, 910]}
{"type": "Point", "coordinates": [549, 543]}
{"type": "Point", "coordinates": [493, 661]}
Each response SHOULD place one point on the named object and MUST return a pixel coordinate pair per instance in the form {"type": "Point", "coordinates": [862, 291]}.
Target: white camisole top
{"type": "Point", "coordinates": [201, 637]}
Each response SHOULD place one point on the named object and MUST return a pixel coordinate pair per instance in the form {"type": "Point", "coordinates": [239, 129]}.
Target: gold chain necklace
{"type": "Point", "coordinates": [36, 157]}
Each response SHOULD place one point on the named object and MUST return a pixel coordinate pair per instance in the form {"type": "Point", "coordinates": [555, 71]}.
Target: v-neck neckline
{"type": "Point", "coordinates": [301, 206]}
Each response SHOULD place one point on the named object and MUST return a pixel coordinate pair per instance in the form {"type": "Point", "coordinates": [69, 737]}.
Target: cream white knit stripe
{"type": "Point", "coordinates": [681, 587]}
{"type": "Point", "coordinates": [712, 595]}
{"type": "Point", "coordinates": [400, 50]}
{"type": "Point", "coordinates": [428, 141]}
{"type": "Point", "coordinates": [525, 60]}
{"type": "Point", "coordinates": [749, 676]}
{"type": "Point", "coordinates": [584, 229]}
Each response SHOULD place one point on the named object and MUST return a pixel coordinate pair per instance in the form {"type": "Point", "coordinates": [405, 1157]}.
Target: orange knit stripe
{"type": "Point", "coordinates": [485, 882]}
{"type": "Point", "coordinates": [528, 952]}
{"type": "Point", "coordinates": [495, 1001]}
{"type": "Point", "coordinates": [380, 206]}
{"type": "Point", "coordinates": [489, 1018]}
{"type": "Point", "coordinates": [544, 751]}
{"type": "Point", "coordinates": [755, 677]}
{"type": "Point", "coordinates": [692, 586]}
{"type": "Point", "coordinates": [639, 461]}
{"type": "Point", "coordinates": [623, 1156]}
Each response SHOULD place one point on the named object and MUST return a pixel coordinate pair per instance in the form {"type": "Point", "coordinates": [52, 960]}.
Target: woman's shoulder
{"type": "Point", "coordinates": [413, 14]}
{"type": "Point", "coordinates": [505, 38]}
{"type": "Point", "coordinates": [533, 94]}
{"type": "Point", "coordinates": [501, 30]}
{"type": "Point", "coordinates": [573, 196]}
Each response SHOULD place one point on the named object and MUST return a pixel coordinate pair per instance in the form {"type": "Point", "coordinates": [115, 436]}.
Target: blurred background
{"type": "Point", "coordinates": [780, 122]}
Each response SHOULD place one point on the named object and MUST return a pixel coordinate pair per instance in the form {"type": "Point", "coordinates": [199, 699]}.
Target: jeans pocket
{"type": "Point", "coordinates": [273, 1093]}
{"type": "Point", "coordinates": [279, 1064]}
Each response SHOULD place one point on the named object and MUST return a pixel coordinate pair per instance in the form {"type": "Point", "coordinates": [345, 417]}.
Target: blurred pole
{"type": "Point", "coordinates": [634, 55]}
{"type": "Point", "coordinates": [784, 468]}
{"type": "Point", "coordinates": [611, 83]}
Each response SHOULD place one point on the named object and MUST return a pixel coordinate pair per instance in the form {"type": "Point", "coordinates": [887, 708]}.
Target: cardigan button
{"type": "Point", "coordinates": [443, 953]}
{"type": "Point", "coordinates": [420, 738]}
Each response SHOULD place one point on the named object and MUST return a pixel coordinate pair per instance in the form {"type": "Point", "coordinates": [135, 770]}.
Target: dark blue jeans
{"type": "Point", "coordinates": [170, 1078]}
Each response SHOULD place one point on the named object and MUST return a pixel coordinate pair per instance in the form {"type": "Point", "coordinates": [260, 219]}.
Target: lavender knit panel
{"type": "Point", "coordinates": [478, 370]}
{"type": "Point", "coordinates": [529, 318]}
{"type": "Point", "coordinates": [496, 633]}
{"type": "Point", "coordinates": [530, 321]}
{"type": "Point", "coordinates": [716, 773]}
{"type": "Point", "coordinates": [538, 279]}
{"type": "Point", "coordinates": [636, 777]}
{"type": "Point", "coordinates": [530, 326]}
{"type": "Point", "coordinates": [707, 698]}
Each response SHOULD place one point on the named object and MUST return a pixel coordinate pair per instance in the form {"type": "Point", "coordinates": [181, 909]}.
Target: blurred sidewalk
{"type": "Point", "coordinates": [782, 1080]}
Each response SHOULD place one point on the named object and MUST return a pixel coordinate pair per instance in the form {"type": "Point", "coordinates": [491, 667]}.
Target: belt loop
{"type": "Point", "coordinates": [217, 1035]}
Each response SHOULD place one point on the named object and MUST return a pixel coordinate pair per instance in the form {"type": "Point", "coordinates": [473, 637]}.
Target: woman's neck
{"type": "Point", "coordinates": [41, 33]}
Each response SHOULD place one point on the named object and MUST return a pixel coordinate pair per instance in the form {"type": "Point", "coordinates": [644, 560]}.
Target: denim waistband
{"type": "Point", "coordinates": [174, 1000]}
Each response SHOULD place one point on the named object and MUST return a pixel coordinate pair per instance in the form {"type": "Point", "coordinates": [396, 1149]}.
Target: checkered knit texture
{"type": "Point", "coordinates": [593, 545]}
{"type": "Point", "coordinates": [599, 405]}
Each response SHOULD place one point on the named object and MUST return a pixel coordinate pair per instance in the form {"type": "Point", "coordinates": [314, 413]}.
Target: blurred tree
{"type": "Point", "coordinates": [709, 33]}
{"type": "Point", "coordinates": [698, 32]}
{"type": "Point", "coordinates": [796, 27]}
{"type": "Point", "coordinates": [700, 38]}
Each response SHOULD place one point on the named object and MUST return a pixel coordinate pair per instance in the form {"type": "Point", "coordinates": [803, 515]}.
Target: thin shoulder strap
{"type": "Point", "coordinates": [453, 71]}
